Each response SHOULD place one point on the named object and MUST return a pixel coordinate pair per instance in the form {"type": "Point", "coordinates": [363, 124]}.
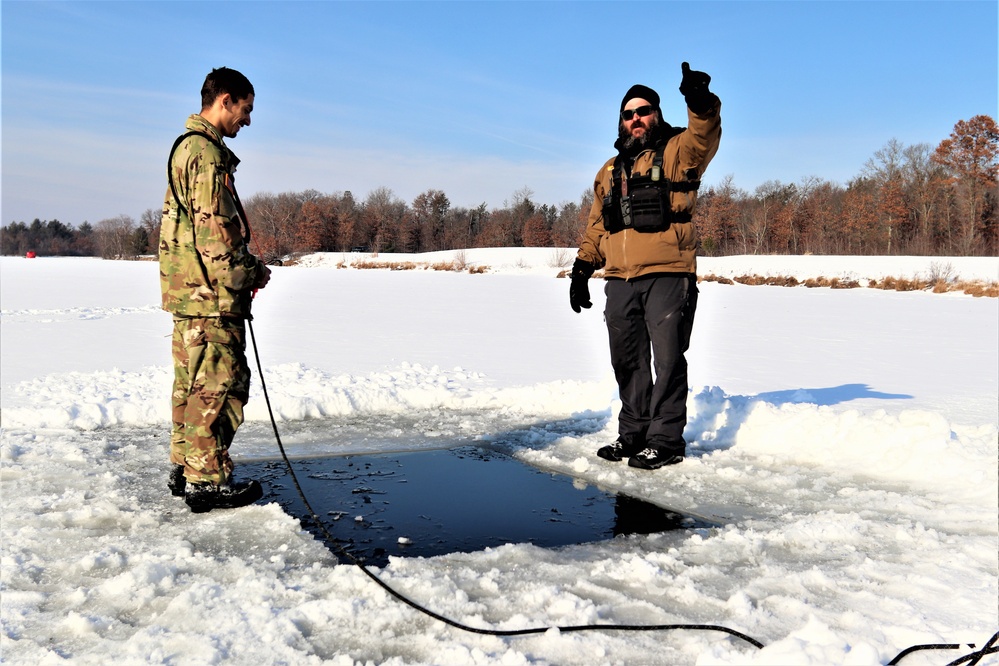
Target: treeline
{"type": "Point", "coordinates": [311, 221]}
{"type": "Point", "coordinates": [314, 222]}
{"type": "Point", "coordinates": [913, 200]}
{"type": "Point", "coordinates": [114, 238]}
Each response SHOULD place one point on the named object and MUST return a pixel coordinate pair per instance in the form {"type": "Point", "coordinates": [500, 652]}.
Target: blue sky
{"type": "Point", "coordinates": [478, 99]}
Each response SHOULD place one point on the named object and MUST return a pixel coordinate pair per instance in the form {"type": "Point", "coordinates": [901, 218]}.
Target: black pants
{"type": "Point", "coordinates": [651, 318]}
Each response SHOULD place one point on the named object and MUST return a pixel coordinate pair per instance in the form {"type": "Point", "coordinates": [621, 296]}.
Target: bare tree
{"type": "Point", "coordinates": [381, 218]}
{"type": "Point", "coordinates": [274, 223]}
{"type": "Point", "coordinates": [767, 216]}
{"type": "Point", "coordinates": [570, 223]}
{"type": "Point", "coordinates": [149, 222]}
{"type": "Point", "coordinates": [115, 238]}
{"type": "Point", "coordinates": [462, 226]}
{"type": "Point", "coordinates": [923, 178]}
{"type": "Point", "coordinates": [887, 162]}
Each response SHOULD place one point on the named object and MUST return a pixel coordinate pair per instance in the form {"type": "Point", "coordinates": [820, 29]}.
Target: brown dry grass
{"type": "Point", "coordinates": [977, 288]}
{"type": "Point", "coordinates": [597, 275]}
{"type": "Point", "coordinates": [457, 266]}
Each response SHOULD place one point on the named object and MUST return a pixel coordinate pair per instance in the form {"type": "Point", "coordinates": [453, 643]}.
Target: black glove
{"type": "Point", "coordinates": [694, 88]}
{"type": "Point", "coordinates": [579, 289]}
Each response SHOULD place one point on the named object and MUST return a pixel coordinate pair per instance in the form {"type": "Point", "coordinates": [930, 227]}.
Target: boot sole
{"type": "Point", "coordinates": [672, 460]}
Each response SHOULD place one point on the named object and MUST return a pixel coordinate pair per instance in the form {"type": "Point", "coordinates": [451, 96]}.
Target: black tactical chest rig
{"type": "Point", "coordinates": [642, 203]}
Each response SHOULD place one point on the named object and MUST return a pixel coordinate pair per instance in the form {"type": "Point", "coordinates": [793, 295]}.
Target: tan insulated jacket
{"type": "Point", "coordinates": [629, 253]}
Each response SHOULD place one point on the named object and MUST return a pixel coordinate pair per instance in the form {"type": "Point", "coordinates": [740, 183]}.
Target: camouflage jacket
{"type": "Point", "coordinates": [206, 269]}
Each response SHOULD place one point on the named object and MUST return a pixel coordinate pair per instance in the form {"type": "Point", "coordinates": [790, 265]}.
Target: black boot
{"type": "Point", "coordinates": [202, 497]}
{"type": "Point", "coordinates": [656, 455]}
{"type": "Point", "coordinates": [619, 449]}
{"type": "Point", "coordinates": [177, 483]}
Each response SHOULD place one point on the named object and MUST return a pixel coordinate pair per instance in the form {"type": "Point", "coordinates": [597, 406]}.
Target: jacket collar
{"type": "Point", "coordinates": [197, 123]}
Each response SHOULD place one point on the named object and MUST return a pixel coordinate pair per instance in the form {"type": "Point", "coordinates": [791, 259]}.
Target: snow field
{"type": "Point", "coordinates": [845, 442]}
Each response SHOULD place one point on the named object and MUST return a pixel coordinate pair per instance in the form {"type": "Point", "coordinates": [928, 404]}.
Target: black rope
{"type": "Point", "coordinates": [916, 648]}
{"type": "Point", "coordinates": [437, 616]}
{"type": "Point", "coordinates": [971, 658]}
{"type": "Point", "coordinates": [975, 657]}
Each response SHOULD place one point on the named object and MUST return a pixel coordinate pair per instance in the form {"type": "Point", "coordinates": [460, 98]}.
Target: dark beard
{"type": "Point", "coordinates": [635, 145]}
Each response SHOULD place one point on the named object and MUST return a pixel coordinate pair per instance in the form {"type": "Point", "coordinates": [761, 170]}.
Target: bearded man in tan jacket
{"type": "Point", "coordinates": [641, 233]}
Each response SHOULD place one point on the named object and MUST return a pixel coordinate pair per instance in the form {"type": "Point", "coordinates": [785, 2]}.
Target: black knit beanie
{"type": "Point", "coordinates": [643, 92]}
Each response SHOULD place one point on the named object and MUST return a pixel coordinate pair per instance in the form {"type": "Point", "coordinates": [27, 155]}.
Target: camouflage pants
{"type": "Point", "coordinates": [211, 384]}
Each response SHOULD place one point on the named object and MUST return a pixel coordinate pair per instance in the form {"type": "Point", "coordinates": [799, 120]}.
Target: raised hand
{"type": "Point", "coordinates": [694, 88]}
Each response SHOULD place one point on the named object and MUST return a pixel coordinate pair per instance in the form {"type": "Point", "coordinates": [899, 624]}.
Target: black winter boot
{"type": "Point", "coordinates": [654, 457]}
{"type": "Point", "coordinates": [618, 450]}
{"type": "Point", "coordinates": [177, 483]}
{"type": "Point", "coordinates": [202, 497]}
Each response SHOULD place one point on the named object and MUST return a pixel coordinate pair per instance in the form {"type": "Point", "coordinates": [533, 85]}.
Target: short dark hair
{"type": "Point", "coordinates": [223, 80]}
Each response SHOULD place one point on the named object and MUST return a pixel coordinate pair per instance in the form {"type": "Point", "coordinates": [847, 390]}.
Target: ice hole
{"type": "Point", "coordinates": [425, 503]}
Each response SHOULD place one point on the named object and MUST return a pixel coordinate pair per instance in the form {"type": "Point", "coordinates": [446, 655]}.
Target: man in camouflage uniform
{"type": "Point", "coordinates": [207, 277]}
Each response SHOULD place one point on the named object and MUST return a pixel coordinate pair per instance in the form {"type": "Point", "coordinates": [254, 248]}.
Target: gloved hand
{"type": "Point", "coordinates": [579, 289]}
{"type": "Point", "coordinates": [694, 88]}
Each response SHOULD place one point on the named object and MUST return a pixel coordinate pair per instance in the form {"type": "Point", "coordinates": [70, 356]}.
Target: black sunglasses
{"type": "Point", "coordinates": [641, 111]}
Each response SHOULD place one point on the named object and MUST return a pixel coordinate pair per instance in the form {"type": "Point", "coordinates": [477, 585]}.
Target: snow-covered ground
{"type": "Point", "coordinates": [846, 439]}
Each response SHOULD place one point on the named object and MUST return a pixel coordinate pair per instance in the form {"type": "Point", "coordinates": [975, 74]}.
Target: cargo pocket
{"type": "Point", "coordinates": [224, 366]}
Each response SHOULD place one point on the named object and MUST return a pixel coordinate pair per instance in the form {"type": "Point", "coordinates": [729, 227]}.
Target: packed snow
{"type": "Point", "coordinates": [846, 440]}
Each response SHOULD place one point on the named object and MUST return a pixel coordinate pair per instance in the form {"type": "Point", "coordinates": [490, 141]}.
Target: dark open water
{"type": "Point", "coordinates": [426, 503]}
